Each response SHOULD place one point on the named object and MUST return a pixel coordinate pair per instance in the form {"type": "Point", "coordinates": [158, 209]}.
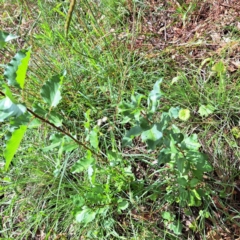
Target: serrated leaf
{"type": "Point", "coordinates": [22, 69]}
{"type": "Point", "coordinates": [56, 140]}
{"type": "Point", "coordinates": [16, 122]}
{"type": "Point", "coordinates": [13, 144]}
{"type": "Point", "coordinates": [6, 37]}
{"type": "Point", "coordinates": [9, 109]}
{"type": "Point", "coordinates": [50, 91]}
{"type": "Point", "coordinates": [83, 163]}
{"type": "Point", "coordinates": [14, 71]}
{"type": "Point", "coordinates": [206, 110]}
{"type": "Point", "coordinates": [184, 114]}
{"type": "Point", "coordinates": [55, 119]}
{"type": "Point", "coordinates": [39, 110]}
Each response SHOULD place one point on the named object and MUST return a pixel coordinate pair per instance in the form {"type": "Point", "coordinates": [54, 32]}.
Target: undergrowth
{"type": "Point", "coordinates": [93, 148]}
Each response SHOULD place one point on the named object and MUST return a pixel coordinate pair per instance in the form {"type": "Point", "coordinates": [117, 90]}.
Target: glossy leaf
{"type": "Point", "coordinates": [22, 69]}
{"type": "Point", "coordinates": [9, 109]}
{"type": "Point", "coordinates": [50, 91]}
{"type": "Point", "coordinates": [15, 71]}
{"type": "Point", "coordinates": [13, 144]}
{"type": "Point", "coordinates": [55, 119]}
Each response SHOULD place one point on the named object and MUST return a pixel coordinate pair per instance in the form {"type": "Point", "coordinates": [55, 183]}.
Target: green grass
{"type": "Point", "coordinates": [37, 194]}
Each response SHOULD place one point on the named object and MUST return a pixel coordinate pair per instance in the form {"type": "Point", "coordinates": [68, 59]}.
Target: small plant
{"type": "Point", "coordinates": [106, 174]}
{"type": "Point", "coordinates": [178, 152]}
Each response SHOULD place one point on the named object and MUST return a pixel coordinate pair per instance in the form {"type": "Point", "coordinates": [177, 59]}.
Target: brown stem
{"type": "Point", "coordinates": [60, 130]}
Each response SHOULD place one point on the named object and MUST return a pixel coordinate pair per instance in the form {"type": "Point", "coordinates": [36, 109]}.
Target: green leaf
{"type": "Point", "coordinates": [194, 199]}
{"type": "Point", "coordinates": [182, 181]}
{"type": "Point", "coordinates": [86, 216]}
{"type": "Point", "coordinates": [206, 110]}
{"type": "Point", "coordinates": [15, 71]}
{"type": "Point", "coordinates": [219, 68]}
{"type": "Point", "coordinates": [184, 114]}
{"type": "Point", "coordinates": [83, 163]}
{"type": "Point", "coordinates": [13, 144]}
{"type": "Point", "coordinates": [56, 140]}
{"type": "Point", "coordinates": [122, 204]}
{"type": "Point", "coordinates": [176, 227]}
{"type": "Point", "coordinates": [134, 131]}
{"type": "Point", "coordinates": [164, 157]}
{"type": "Point", "coordinates": [152, 136]}
{"type": "Point", "coordinates": [6, 37]}
{"type": "Point", "coordinates": [168, 216]}
{"type": "Point", "coordinates": [173, 112]}
{"type": "Point", "coordinates": [9, 109]}
{"type": "Point", "coordinates": [180, 164]}
{"type": "Point", "coordinates": [164, 122]}
{"type": "Point", "coordinates": [55, 119]}
{"type": "Point", "coordinates": [154, 96]}
{"type": "Point", "coordinates": [236, 132]}
{"type": "Point", "coordinates": [22, 69]}
{"type": "Point", "coordinates": [8, 93]}
{"type": "Point", "coordinates": [50, 91]}
{"type": "Point", "coordinates": [191, 143]}
{"type": "Point", "coordinates": [194, 182]}
{"type": "Point", "coordinates": [93, 137]}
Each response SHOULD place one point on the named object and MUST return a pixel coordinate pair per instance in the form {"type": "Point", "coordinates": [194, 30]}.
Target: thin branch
{"type": "Point", "coordinates": [59, 129]}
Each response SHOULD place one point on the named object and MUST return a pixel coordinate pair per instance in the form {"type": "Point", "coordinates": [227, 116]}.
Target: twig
{"type": "Point", "coordinates": [59, 129]}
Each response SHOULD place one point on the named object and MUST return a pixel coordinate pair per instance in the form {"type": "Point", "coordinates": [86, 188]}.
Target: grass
{"type": "Point", "coordinates": [104, 65]}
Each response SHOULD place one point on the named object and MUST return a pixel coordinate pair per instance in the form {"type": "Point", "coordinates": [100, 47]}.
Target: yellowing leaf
{"type": "Point", "coordinates": [184, 114]}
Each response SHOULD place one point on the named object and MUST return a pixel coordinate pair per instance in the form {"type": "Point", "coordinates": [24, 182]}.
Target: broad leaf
{"type": "Point", "coordinates": [87, 215]}
{"type": "Point", "coordinates": [13, 144]}
{"type": "Point", "coordinates": [9, 109]}
{"type": "Point", "coordinates": [122, 204]}
{"type": "Point", "coordinates": [184, 114]}
{"type": "Point", "coordinates": [50, 91]}
{"type": "Point", "coordinates": [206, 110]}
{"type": "Point", "coordinates": [152, 136]}
{"type": "Point", "coordinates": [83, 163]}
{"type": "Point", "coordinates": [93, 137]}
{"type": "Point", "coordinates": [22, 69]}
{"type": "Point", "coordinates": [191, 143]}
{"type": "Point", "coordinates": [55, 119]}
{"type": "Point", "coordinates": [15, 71]}
{"type": "Point", "coordinates": [154, 96]}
